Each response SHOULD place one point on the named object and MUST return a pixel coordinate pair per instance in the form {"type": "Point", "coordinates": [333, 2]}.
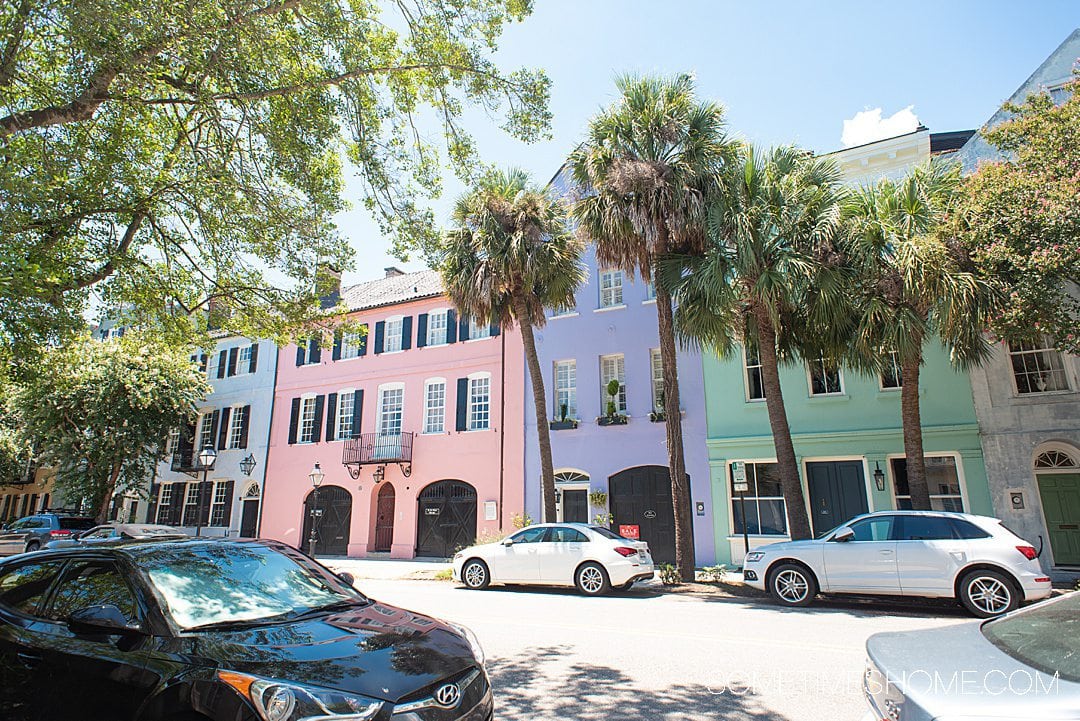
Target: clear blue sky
{"type": "Point", "coordinates": [787, 72]}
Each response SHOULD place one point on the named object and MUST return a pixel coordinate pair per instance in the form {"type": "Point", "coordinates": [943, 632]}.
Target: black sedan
{"type": "Point", "coordinates": [209, 629]}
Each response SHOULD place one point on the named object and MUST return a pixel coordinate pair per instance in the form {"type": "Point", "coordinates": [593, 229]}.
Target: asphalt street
{"type": "Point", "coordinates": [553, 654]}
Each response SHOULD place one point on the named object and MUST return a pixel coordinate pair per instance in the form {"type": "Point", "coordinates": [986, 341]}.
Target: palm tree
{"type": "Point", "coordinates": [509, 255]}
{"type": "Point", "coordinates": [767, 280]}
{"type": "Point", "coordinates": [912, 284]}
{"type": "Point", "coordinates": [642, 174]}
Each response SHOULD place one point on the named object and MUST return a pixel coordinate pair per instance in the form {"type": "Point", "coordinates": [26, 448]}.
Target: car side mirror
{"type": "Point", "coordinates": [347, 578]}
{"type": "Point", "coordinates": [844, 535]}
{"type": "Point", "coordinates": [508, 542]}
{"type": "Point", "coordinates": [101, 619]}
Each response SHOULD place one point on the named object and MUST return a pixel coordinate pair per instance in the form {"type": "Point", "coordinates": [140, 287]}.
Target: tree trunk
{"type": "Point", "coordinates": [110, 489]}
{"type": "Point", "coordinates": [913, 445]}
{"type": "Point", "coordinates": [794, 499]}
{"type": "Point", "coordinates": [680, 487]}
{"type": "Point", "coordinates": [543, 433]}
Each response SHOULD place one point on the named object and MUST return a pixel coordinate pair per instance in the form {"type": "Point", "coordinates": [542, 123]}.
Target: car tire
{"type": "Point", "coordinates": [475, 575]}
{"type": "Point", "coordinates": [792, 585]}
{"type": "Point", "coordinates": [986, 593]}
{"type": "Point", "coordinates": [33, 546]}
{"type": "Point", "coordinates": [592, 579]}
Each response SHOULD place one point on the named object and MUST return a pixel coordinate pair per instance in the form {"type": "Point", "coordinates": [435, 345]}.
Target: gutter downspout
{"type": "Point", "coordinates": [266, 464]}
{"type": "Point", "coordinates": [502, 425]}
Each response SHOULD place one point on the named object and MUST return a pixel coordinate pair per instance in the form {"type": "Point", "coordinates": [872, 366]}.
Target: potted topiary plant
{"type": "Point", "coordinates": [613, 417]}
{"type": "Point", "coordinates": [657, 414]}
{"type": "Point", "coordinates": [564, 422]}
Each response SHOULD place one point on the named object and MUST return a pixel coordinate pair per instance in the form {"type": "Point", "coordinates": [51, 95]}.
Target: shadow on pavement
{"type": "Point", "coordinates": [601, 693]}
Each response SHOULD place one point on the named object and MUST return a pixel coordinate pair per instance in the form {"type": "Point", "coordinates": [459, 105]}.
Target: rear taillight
{"type": "Point", "coordinates": [1042, 579]}
{"type": "Point", "coordinates": [624, 551]}
{"type": "Point", "coordinates": [1029, 552]}
{"type": "Point", "coordinates": [59, 534]}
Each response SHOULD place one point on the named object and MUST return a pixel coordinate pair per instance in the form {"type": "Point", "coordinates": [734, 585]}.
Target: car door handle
{"type": "Point", "coordinates": [885, 552]}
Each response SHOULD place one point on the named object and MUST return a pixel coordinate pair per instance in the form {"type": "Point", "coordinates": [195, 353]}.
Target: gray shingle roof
{"type": "Point", "coordinates": [393, 290]}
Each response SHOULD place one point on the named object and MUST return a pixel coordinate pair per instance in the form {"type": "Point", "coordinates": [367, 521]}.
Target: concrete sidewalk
{"type": "Point", "coordinates": [388, 569]}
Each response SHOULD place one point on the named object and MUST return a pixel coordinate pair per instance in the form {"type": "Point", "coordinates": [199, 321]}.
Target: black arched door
{"type": "Point", "coordinates": [641, 497]}
{"type": "Point", "coordinates": [446, 518]}
{"type": "Point", "coordinates": [333, 517]}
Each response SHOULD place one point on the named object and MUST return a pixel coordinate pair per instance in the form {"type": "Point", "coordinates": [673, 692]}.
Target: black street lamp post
{"type": "Point", "coordinates": [207, 457]}
{"type": "Point", "coordinates": [316, 477]}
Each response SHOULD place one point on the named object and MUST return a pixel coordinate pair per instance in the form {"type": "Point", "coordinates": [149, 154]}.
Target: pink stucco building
{"type": "Point", "coordinates": [413, 413]}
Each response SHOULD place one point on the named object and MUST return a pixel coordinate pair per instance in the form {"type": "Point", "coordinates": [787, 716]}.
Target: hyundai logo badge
{"type": "Point", "coordinates": [448, 696]}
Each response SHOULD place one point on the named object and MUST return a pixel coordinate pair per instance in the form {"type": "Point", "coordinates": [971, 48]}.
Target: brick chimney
{"type": "Point", "coordinates": [392, 272]}
{"type": "Point", "coordinates": [328, 280]}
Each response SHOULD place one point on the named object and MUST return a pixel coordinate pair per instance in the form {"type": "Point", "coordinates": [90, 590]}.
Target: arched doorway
{"type": "Point", "coordinates": [384, 518]}
{"type": "Point", "coordinates": [446, 518]}
{"type": "Point", "coordinates": [1057, 472]}
{"type": "Point", "coordinates": [572, 493]}
{"type": "Point", "coordinates": [641, 497]}
{"type": "Point", "coordinates": [249, 512]}
{"type": "Point", "coordinates": [333, 518]}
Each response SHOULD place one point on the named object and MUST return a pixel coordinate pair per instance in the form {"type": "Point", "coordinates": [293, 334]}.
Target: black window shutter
{"type": "Point", "coordinates": [320, 402]}
{"type": "Point", "coordinates": [336, 355]}
{"type": "Point", "coordinates": [187, 440]}
{"type": "Point", "coordinates": [421, 330]}
{"type": "Point", "coordinates": [151, 511]}
{"type": "Point", "coordinates": [315, 354]}
{"type": "Point", "coordinates": [254, 358]}
{"type": "Point", "coordinates": [214, 418]}
{"type": "Point", "coordinates": [206, 499]}
{"type": "Point", "coordinates": [294, 419]}
{"type": "Point", "coordinates": [451, 326]}
{"type": "Point", "coordinates": [223, 434]}
{"type": "Point", "coordinates": [463, 404]}
{"type": "Point", "coordinates": [463, 329]}
{"type": "Point", "coordinates": [230, 486]}
{"type": "Point", "coordinates": [363, 339]}
{"type": "Point", "coordinates": [300, 353]}
{"type": "Point", "coordinates": [357, 413]}
{"type": "Point", "coordinates": [406, 332]}
{"type": "Point", "coordinates": [233, 353]}
{"type": "Point", "coordinates": [202, 362]}
{"type": "Point", "coordinates": [331, 417]}
{"type": "Point", "coordinates": [494, 329]}
{"type": "Point", "coordinates": [245, 421]}
{"type": "Point", "coordinates": [380, 328]}
{"type": "Point", "coordinates": [222, 363]}
{"type": "Point", "coordinates": [176, 504]}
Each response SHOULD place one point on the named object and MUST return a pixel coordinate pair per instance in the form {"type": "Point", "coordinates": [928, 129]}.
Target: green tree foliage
{"type": "Point", "coordinates": [508, 256]}
{"type": "Point", "coordinates": [15, 450]}
{"type": "Point", "coordinates": [911, 285]}
{"type": "Point", "coordinates": [167, 157]}
{"type": "Point", "coordinates": [100, 412]}
{"type": "Point", "coordinates": [643, 175]}
{"type": "Point", "coordinates": [1021, 218]}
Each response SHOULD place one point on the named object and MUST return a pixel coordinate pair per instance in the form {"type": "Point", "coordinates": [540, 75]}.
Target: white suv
{"type": "Point", "coordinates": [973, 559]}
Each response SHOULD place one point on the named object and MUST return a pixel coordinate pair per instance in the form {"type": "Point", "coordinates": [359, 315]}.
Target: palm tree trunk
{"type": "Point", "coordinates": [543, 433]}
{"type": "Point", "coordinates": [913, 442]}
{"type": "Point", "coordinates": [680, 486]}
{"type": "Point", "coordinates": [798, 521]}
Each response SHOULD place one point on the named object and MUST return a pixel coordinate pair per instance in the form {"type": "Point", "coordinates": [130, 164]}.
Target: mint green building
{"type": "Point", "coordinates": [846, 427]}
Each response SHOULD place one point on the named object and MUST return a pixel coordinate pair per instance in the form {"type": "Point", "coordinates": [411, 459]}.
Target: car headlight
{"type": "Point", "coordinates": [284, 701]}
{"type": "Point", "coordinates": [474, 643]}
{"type": "Point", "coordinates": [754, 556]}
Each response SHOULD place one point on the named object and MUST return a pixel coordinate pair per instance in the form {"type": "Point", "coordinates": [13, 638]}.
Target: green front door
{"type": "Point", "coordinates": [1060, 496]}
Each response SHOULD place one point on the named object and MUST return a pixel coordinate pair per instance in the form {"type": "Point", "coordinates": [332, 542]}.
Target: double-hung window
{"type": "Point", "coordinates": [236, 425]}
{"type": "Point", "coordinates": [435, 406]}
{"type": "Point", "coordinates": [1038, 367]}
{"type": "Point", "coordinates": [565, 389]}
{"type": "Point", "coordinates": [217, 506]}
{"type": "Point", "coordinates": [436, 327]}
{"type": "Point", "coordinates": [656, 366]}
{"type": "Point", "coordinates": [613, 367]}
{"type": "Point", "coordinates": [243, 360]}
{"type": "Point", "coordinates": [942, 479]}
{"type": "Point", "coordinates": [891, 377]}
{"type": "Point", "coordinates": [611, 288]}
{"type": "Point", "coordinates": [191, 505]}
{"type": "Point", "coordinates": [307, 420]}
{"type": "Point", "coordinates": [172, 441]}
{"type": "Point", "coordinates": [478, 329]}
{"type": "Point", "coordinates": [350, 344]}
{"type": "Point", "coordinates": [164, 502]}
{"type": "Point", "coordinates": [825, 378]}
{"type": "Point", "coordinates": [206, 431]}
{"type": "Point", "coordinates": [755, 386]}
{"type": "Point", "coordinates": [766, 514]}
{"type": "Point", "coordinates": [480, 403]}
{"type": "Point", "coordinates": [345, 412]}
{"type": "Point", "coordinates": [392, 337]}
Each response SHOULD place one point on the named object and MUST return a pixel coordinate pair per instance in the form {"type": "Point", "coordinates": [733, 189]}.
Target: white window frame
{"type": "Point", "coordinates": [1048, 347]}
{"type": "Point", "coordinates": [656, 373]}
{"type": "Point", "coordinates": [894, 358]}
{"type": "Point", "coordinates": [433, 339]}
{"type": "Point", "coordinates": [434, 406]}
{"type": "Point", "coordinates": [236, 425]}
{"type": "Point", "coordinates": [565, 392]}
{"type": "Point", "coordinates": [341, 418]}
{"type": "Point", "coordinates": [810, 379]}
{"type": "Point", "coordinates": [172, 441]}
{"type": "Point", "coordinates": [747, 367]}
{"type": "Point", "coordinates": [479, 411]}
{"type": "Point", "coordinates": [350, 344]}
{"type": "Point", "coordinates": [398, 323]}
{"type": "Point", "coordinates": [306, 401]}
{"type": "Point", "coordinates": [381, 412]}
{"type": "Point", "coordinates": [478, 331]}
{"type": "Point", "coordinates": [164, 501]}
{"type": "Point", "coordinates": [735, 499]}
{"type": "Point", "coordinates": [960, 479]}
{"type": "Point", "coordinates": [191, 491]}
{"type": "Point", "coordinates": [243, 360]}
{"type": "Point", "coordinates": [218, 499]}
{"type": "Point", "coordinates": [611, 294]}
{"type": "Point", "coordinates": [620, 402]}
{"type": "Point", "coordinates": [205, 424]}
{"type": "Point", "coordinates": [650, 292]}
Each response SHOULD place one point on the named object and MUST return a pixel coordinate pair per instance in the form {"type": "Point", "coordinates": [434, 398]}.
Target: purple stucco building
{"type": "Point", "coordinates": [612, 333]}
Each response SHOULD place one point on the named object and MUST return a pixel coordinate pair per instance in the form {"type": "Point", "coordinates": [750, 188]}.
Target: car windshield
{"type": "Point", "coordinates": [223, 583]}
{"type": "Point", "coordinates": [76, 524]}
{"type": "Point", "coordinates": [1043, 636]}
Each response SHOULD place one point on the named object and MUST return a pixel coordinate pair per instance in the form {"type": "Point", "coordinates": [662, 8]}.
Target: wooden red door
{"type": "Point", "coordinates": [384, 519]}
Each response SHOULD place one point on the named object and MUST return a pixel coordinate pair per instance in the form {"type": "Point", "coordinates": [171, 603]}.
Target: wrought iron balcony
{"type": "Point", "coordinates": [187, 461]}
{"type": "Point", "coordinates": [378, 449]}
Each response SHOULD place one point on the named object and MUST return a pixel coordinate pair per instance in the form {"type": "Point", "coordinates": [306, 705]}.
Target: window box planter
{"type": "Point", "coordinates": [657, 417]}
{"type": "Point", "coordinates": [619, 420]}
{"type": "Point", "coordinates": [566, 425]}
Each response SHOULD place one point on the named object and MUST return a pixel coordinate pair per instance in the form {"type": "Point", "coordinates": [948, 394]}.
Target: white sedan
{"type": "Point", "coordinates": [557, 554]}
{"type": "Point", "coordinates": [938, 554]}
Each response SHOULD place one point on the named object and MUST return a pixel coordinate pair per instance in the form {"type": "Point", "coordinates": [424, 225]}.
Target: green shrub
{"type": "Point", "coordinates": [669, 575]}
{"type": "Point", "coordinates": [714, 573]}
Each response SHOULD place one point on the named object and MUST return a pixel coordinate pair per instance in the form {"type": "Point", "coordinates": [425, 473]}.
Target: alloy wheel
{"type": "Point", "coordinates": [475, 575]}
{"type": "Point", "coordinates": [591, 579]}
{"type": "Point", "coordinates": [791, 586]}
{"type": "Point", "coordinates": [989, 595]}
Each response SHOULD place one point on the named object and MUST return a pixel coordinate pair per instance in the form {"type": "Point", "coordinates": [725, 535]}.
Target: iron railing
{"type": "Point", "coordinates": [187, 461]}
{"type": "Point", "coordinates": [378, 448]}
